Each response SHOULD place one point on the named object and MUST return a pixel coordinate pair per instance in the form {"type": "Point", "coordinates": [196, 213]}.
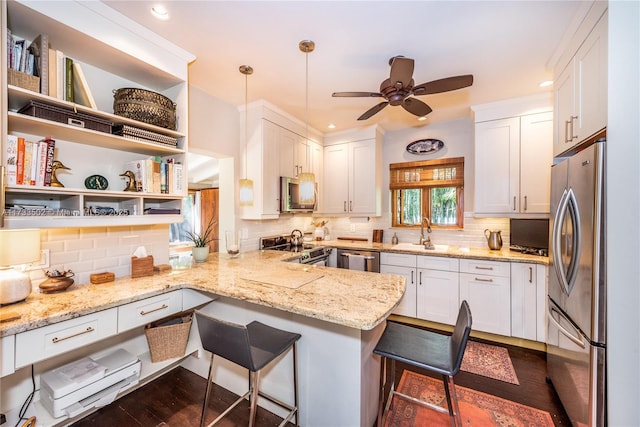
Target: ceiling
{"type": "Point", "coordinates": [506, 45]}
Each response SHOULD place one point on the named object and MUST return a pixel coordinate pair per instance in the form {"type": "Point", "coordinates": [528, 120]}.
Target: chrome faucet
{"type": "Point", "coordinates": [423, 240]}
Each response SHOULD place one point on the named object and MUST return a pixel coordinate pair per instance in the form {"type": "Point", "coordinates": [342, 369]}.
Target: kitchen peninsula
{"type": "Point", "coordinates": [340, 314]}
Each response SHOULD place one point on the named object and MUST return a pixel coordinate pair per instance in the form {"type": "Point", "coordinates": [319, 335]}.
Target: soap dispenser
{"type": "Point", "coordinates": [394, 239]}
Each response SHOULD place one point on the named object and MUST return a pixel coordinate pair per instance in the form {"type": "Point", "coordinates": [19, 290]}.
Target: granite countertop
{"type": "Point", "coordinates": [354, 299]}
{"type": "Point", "coordinates": [449, 251]}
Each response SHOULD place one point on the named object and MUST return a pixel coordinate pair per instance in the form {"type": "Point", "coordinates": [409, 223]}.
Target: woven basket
{"type": "Point", "coordinates": [23, 80]}
{"type": "Point", "coordinates": [168, 342]}
{"type": "Point", "coordinates": [145, 106]}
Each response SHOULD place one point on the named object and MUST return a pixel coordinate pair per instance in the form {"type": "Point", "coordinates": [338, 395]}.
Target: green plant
{"type": "Point", "coordinates": [200, 240]}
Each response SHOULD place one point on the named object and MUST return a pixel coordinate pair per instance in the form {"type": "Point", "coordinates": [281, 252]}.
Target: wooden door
{"type": "Point", "coordinates": [209, 212]}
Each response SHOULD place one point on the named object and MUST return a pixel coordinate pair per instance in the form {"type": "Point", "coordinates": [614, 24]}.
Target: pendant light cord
{"type": "Point", "coordinates": [246, 119]}
{"type": "Point", "coordinates": [306, 156]}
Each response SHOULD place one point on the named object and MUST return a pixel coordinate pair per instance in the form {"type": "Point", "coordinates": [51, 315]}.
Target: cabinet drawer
{"type": "Point", "coordinates": [490, 268]}
{"type": "Point", "coordinates": [148, 310]}
{"type": "Point", "coordinates": [48, 341]}
{"type": "Point", "coordinates": [438, 263]}
{"type": "Point", "coordinates": [7, 351]}
{"type": "Point", "coordinates": [401, 260]}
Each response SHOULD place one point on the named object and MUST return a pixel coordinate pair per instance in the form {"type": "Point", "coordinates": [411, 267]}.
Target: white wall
{"type": "Point", "coordinates": [623, 205]}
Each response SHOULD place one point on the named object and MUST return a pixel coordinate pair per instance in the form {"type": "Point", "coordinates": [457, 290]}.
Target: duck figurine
{"type": "Point", "coordinates": [57, 164]}
{"type": "Point", "coordinates": [131, 183]}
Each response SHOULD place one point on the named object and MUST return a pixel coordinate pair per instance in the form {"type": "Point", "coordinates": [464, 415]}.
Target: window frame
{"type": "Point", "coordinates": [420, 175]}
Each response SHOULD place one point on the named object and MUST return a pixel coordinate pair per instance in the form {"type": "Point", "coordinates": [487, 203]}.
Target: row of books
{"type": "Point", "coordinates": [153, 175]}
{"type": "Point", "coordinates": [29, 162]}
{"type": "Point", "coordinates": [60, 76]}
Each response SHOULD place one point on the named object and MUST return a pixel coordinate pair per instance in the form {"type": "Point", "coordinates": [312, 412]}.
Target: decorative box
{"type": "Point", "coordinates": [141, 267]}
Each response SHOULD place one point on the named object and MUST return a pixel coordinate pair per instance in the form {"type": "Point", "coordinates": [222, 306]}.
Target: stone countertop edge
{"type": "Point", "coordinates": [354, 299]}
{"type": "Point", "coordinates": [452, 251]}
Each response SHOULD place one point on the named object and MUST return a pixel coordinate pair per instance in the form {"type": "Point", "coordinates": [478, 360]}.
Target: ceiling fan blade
{"type": "Point", "coordinates": [401, 71]}
{"type": "Point", "coordinates": [417, 107]}
{"type": "Point", "coordinates": [357, 94]}
{"type": "Point", "coordinates": [443, 85]}
{"type": "Point", "coordinates": [373, 110]}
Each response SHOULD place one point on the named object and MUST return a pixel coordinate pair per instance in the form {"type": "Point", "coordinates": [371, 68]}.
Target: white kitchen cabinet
{"type": "Point", "coordinates": [486, 286]}
{"type": "Point", "coordinates": [85, 33]}
{"type": "Point", "coordinates": [437, 290]}
{"type": "Point", "coordinates": [148, 310]}
{"type": "Point", "coordinates": [402, 265]}
{"type": "Point", "coordinates": [513, 157]}
{"type": "Point", "coordinates": [352, 183]}
{"type": "Point", "coordinates": [581, 91]}
{"type": "Point", "coordinates": [528, 301]}
{"type": "Point", "coordinates": [8, 352]}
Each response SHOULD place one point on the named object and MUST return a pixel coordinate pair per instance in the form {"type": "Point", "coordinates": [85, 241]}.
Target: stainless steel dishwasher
{"type": "Point", "coordinates": [359, 260]}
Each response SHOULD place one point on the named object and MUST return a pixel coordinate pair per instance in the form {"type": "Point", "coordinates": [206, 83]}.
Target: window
{"type": "Point", "coordinates": [431, 189]}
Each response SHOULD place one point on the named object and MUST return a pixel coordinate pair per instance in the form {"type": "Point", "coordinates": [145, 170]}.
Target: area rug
{"type": "Point", "coordinates": [489, 361]}
{"type": "Point", "coordinates": [477, 409]}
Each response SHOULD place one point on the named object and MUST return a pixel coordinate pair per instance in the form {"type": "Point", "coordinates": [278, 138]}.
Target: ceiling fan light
{"type": "Point", "coordinates": [246, 192]}
{"type": "Point", "coordinates": [307, 182]}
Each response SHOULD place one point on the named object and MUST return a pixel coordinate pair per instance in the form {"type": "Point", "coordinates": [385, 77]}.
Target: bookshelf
{"type": "Point", "coordinates": [114, 53]}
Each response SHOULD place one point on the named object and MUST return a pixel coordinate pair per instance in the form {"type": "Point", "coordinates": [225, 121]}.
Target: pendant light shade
{"type": "Point", "coordinates": [246, 185]}
{"type": "Point", "coordinates": [307, 179]}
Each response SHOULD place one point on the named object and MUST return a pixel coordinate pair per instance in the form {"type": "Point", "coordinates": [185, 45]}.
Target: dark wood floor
{"type": "Point", "coordinates": [175, 398]}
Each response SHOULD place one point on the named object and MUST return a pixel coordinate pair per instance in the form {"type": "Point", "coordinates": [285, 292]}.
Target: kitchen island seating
{"type": "Point", "coordinates": [432, 351]}
{"type": "Point", "coordinates": [253, 347]}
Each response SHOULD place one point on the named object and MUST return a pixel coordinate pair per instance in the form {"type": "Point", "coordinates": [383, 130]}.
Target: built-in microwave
{"type": "Point", "coordinates": [290, 196]}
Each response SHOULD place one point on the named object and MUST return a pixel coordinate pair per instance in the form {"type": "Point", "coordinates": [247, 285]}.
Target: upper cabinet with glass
{"type": "Point", "coordinates": [94, 147]}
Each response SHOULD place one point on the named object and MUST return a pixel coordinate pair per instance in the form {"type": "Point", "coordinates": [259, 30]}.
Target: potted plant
{"type": "Point", "coordinates": [200, 250]}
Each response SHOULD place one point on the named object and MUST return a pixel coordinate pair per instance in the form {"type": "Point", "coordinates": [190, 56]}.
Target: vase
{"type": "Point", "coordinates": [200, 254]}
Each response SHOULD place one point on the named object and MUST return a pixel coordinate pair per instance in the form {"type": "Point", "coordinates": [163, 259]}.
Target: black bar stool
{"type": "Point", "coordinates": [428, 350]}
{"type": "Point", "coordinates": [253, 347]}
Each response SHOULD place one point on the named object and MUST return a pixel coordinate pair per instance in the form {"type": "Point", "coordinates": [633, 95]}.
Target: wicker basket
{"type": "Point", "coordinates": [68, 116]}
{"type": "Point", "coordinates": [168, 339]}
{"type": "Point", "coordinates": [145, 106]}
{"type": "Point", "coordinates": [23, 80]}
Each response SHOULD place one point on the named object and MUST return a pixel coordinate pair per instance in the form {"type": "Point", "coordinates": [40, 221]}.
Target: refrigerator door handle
{"type": "Point", "coordinates": [573, 338]}
{"type": "Point", "coordinates": [567, 206]}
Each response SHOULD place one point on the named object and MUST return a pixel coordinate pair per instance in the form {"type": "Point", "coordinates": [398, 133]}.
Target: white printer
{"type": "Point", "coordinates": [86, 383]}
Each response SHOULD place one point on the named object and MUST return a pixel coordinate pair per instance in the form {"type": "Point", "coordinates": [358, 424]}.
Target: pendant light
{"type": "Point", "coordinates": [246, 185]}
{"type": "Point", "coordinates": [307, 179]}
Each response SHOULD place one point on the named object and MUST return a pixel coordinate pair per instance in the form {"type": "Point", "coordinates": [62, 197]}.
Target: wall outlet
{"type": "Point", "coordinates": [43, 263]}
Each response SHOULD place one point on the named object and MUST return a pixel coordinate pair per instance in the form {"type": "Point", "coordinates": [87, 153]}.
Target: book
{"type": "Point", "coordinates": [155, 175]}
{"type": "Point", "coordinates": [60, 73]}
{"type": "Point", "coordinates": [81, 92]}
{"type": "Point", "coordinates": [163, 178]}
{"type": "Point", "coordinates": [40, 49]}
{"type": "Point", "coordinates": [12, 158]}
{"type": "Point", "coordinates": [41, 159]}
{"type": "Point", "coordinates": [68, 79]}
{"type": "Point", "coordinates": [28, 163]}
{"type": "Point", "coordinates": [51, 144]}
{"type": "Point", "coordinates": [178, 179]}
{"type": "Point", "coordinates": [53, 73]}
{"type": "Point", "coordinates": [20, 162]}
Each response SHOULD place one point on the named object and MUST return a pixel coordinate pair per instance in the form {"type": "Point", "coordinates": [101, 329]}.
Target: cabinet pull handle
{"type": "Point", "coordinates": [525, 203]}
{"type": "Point", "coordinates": [162, 307]}
{"type": "Point", "coordinates": [344, 205]}
{"type": "Point", "coordinates": [412, 277]}
{"type": "Point", "coordinates": [530, 275]}
{"type": "Point", "coordinates": [514, 203]}
{"type": "Point", "coordinates": [567, 138]}
{"type": "Point", "coordinates": [480, 279]}
{"type": "Point", "coordinates": [86, 331]}
{"type": "Point", "coordinates": [350, 205]}
{"type": "Point", "coordinates": [420, 279]}
{"type": "Point", "coordinates": [571, 135]}
{"type": "Point", "coordinates": [478, 267]}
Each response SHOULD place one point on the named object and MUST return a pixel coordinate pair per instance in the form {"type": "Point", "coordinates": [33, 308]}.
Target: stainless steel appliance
{"type": "Point", "coordinates": [290, 196]}
{"type": "Point", "coordinates": [529, 236]}
{"type": "Point", "coordinates": [576, 342]}
{"type": "Point", "coordinates": [359, 260]}
{"type": "Point", "coordinates": [306, 253]}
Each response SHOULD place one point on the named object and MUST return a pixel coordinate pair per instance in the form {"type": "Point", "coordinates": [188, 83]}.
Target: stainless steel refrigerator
{"type": "Point", "coordinates": [576, 341]}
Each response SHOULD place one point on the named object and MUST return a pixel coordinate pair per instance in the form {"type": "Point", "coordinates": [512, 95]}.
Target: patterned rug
{"type": "Point", "coordinates": [490, 361]}
{"type": "Point", "coordinates": [477, 409]}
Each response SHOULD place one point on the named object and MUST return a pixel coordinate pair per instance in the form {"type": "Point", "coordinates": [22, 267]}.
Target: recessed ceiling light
{"type": "Point", "coordinates": [331, 126]}
{"type": "Point", "coordinates": [160, 12]}
{"type": "Point", "coordinates": [546, 83]}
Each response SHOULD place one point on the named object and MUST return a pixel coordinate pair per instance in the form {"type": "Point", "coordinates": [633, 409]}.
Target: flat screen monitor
{"type": "Point", "coordinates": [531, 233]}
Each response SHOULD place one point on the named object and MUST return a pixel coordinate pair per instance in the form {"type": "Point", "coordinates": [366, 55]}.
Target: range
{"type": "Point", "coordinates": [309, 254]}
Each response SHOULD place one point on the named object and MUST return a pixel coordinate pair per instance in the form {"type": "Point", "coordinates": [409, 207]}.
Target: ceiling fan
{"type": "Point", "coordinates": [398, 89]}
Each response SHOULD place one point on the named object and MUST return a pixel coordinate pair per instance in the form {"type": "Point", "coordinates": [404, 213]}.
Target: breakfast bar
{"type": "Point", "coordinates": [339, 313]}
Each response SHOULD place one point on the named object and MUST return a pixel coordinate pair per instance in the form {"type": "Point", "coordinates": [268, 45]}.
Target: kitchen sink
{"type": "Point", "coordinates": [419, 248]}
